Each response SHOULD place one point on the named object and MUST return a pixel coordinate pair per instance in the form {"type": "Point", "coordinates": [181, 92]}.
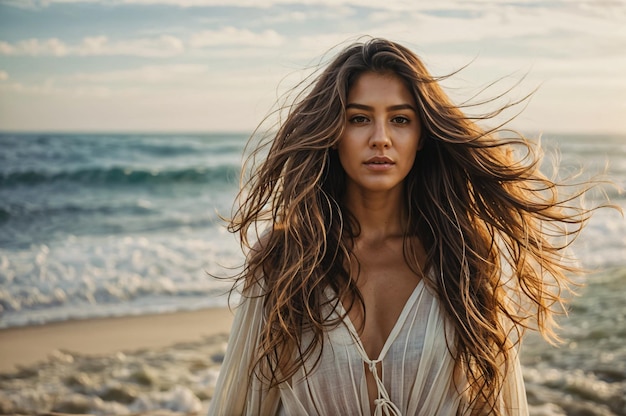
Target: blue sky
{"type": "Point", "coordinates": [219, 65]}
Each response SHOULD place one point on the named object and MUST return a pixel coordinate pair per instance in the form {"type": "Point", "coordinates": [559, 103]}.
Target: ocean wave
{"type": "Point", "coordinates": [4, 215]}
{"type": "Point", "coordinates": [123, 176]}
{"type": "Point", "coordinates": [30, 212]}
{"type": "Point", "coordinates": [90, 276]}
{"type": "Point", "coordinates": [25, 229]}
{"type": "Point", "coordinates": [181, 148]}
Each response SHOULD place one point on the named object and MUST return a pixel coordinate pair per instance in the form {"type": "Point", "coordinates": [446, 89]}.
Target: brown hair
{"type": "Point", "coordinates": [494, 228]}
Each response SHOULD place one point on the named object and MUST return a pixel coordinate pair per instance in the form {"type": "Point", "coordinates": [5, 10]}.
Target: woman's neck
{"type": "Point", "coordinates": [380, 215]}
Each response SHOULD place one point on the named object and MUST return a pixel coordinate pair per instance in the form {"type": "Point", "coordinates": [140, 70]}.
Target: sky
{"type": "Point", "coordinates": [221, 65]}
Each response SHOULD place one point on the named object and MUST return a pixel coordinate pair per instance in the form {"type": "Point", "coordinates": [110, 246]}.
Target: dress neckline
{"type": "Point", "coordinates": [395, 331]}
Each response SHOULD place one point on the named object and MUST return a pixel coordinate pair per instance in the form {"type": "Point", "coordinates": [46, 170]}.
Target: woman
{"type": "Point", "coordinates": [404, 250]}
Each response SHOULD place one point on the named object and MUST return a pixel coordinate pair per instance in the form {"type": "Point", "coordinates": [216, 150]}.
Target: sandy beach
{"type": "Point", "coordinates": [165, 364]}
{"type": "Point", "coordinates": [25, 346]}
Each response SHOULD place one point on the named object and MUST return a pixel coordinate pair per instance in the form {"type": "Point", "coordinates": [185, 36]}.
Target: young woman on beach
{"type": "Point", "coordinates": [403, 251]}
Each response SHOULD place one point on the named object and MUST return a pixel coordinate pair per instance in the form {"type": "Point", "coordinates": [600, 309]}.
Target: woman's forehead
{"type": "Point", "coordinates": [374, 86]}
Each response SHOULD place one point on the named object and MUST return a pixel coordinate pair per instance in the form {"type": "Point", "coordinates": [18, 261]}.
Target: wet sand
{"type": "Point", "coordinates": [26, 346]}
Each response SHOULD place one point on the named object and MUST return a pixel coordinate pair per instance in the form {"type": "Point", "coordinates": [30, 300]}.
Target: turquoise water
{"type": "Point", "coordinates": [101, 225]}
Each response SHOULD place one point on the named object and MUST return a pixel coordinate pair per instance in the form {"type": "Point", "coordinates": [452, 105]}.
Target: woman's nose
{"type": "Point", "coordinates": [380, 136]}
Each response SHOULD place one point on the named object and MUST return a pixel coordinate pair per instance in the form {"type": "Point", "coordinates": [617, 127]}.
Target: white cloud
{"type": "Point", "coordinates": [494, 24]}
{"type": "Point", "coordinates": [318, 13]}
{"type": "Point", "coordinates": [230, 36]}
{"type": "Point", "coordinates": [4, 76]}
{"type": "Point", "coordinates": [164, 46]}
{"type": "Point", "coordinates": [23, 4]}
{"type": "Point", "coordinates": [225, 3]}
{"type": "Point", "coordinates": [604, 8]}
{"type": "Point", "coordinates": [156, 47]}
{"type": "Point", "coordinates": [146, 74]}
{"type": "Point", "coordinates": [158, 82]}
{"type": "Point", "coordinates": [35, 47]}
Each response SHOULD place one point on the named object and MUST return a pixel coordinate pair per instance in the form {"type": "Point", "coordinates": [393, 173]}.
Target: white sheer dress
{"type": "Point", "coordinates": [417, 376]}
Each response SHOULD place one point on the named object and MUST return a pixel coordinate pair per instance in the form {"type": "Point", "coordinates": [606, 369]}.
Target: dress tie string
{"type": "Point", "coordinates": [384, 405]}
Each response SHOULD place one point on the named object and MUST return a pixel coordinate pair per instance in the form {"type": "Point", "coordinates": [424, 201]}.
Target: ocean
{"type": "Point", "coordinates": [99, 225]}
{"type": "Point", "coordinates": [106, 225]}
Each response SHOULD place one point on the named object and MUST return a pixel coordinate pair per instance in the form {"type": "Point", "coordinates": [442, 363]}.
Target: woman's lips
{"type": "Point", "coordinates": [379, 163]}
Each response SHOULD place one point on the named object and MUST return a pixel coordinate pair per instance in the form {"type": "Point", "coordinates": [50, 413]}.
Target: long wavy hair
{"type": "Point", "coordinates": [494, 228]}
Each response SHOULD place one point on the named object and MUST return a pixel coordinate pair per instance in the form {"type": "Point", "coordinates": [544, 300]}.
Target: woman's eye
{"type": "Point", "coordinates": [358, 119]}
{"type": "Point", "coordinates": [400, 120]}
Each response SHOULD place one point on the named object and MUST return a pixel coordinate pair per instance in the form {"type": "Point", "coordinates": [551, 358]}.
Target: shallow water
{"type": "Point", "coordinates": [586, 374]}
{"type": "Point", "coordinates": [178, 379]}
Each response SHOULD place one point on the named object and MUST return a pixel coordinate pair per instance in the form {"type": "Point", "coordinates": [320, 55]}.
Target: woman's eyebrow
{"type": "Point", "coordinates": [390, 108]}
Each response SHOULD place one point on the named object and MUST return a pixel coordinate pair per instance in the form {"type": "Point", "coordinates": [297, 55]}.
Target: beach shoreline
{"type": "Point", "coordinates": [25, 346]}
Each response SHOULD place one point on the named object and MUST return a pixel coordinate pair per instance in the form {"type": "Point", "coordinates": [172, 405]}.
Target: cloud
{"type": "Point", "coordinates": [201, 3]}
{"type": "Point", "coordinates": [246, 58]}
{"type": "Point", "coordinates": [164, 46]}
{"type": "Point", "coordinates": [230, 36]}
{"type": "Point", "coordinates": [494, 24]}
{"type": "Point", "coordinates": [606, 8]}
{"type": "Point", "coordinates": [157, 47]}
{"type": "Point", "coordinates": [450, 22]}
{"type": "Point", "coordinates": [146, 74]}
{"type": "Point", "coordinates": [35, 47]}
{"type": "Point", "coordinates": [158, 82]}
{"type": "Point", "coordinates": [302, 16]}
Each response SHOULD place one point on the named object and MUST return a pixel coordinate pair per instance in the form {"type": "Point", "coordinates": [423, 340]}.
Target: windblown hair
{"type": "Point", "coordinates": [493, 226]}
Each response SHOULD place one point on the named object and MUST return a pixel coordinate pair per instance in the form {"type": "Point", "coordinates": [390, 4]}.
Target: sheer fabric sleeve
{"type": "Point", "coordinates": [513, 400]}
{"type": "Point", "coordinates": [238, 390]}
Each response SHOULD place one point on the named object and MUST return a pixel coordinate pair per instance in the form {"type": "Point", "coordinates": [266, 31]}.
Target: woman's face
{"type": "Point", "coordinates": [382, 134]}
